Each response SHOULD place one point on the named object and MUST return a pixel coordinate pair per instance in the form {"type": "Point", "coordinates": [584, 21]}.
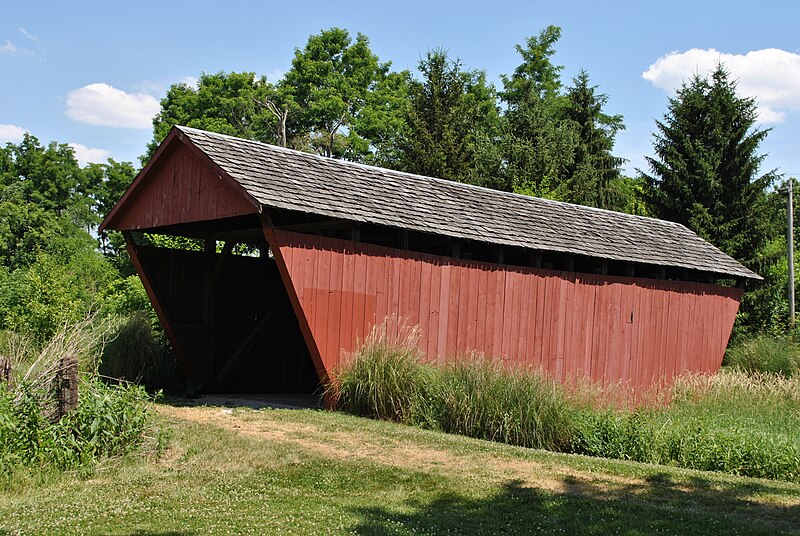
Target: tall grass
{"type": "Point", "coordinates": [135, 353]}
{"type": "Point", "coordinates": [736, 422]}
{"type": "Point", "coordinates": [474, 397]}
{"type": "Point", "coordinates": [766, 353]}
{"type": "Point", "coordinates": [731, 422]}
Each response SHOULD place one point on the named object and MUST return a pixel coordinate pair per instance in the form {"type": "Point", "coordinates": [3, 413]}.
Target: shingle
{"type": "Point", "coordinates": [288, 179]}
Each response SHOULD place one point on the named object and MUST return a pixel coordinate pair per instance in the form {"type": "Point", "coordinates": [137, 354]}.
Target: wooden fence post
{"type": "Point", "coordinates": [68, 388]}
{"type": "Point", "coordinates": [5, 370]}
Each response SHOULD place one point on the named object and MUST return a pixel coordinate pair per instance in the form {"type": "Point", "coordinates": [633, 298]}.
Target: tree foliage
{"type": "Point", "coordinates": [705, 172]}
{"type": "Point", "coordinates": [451, 112]}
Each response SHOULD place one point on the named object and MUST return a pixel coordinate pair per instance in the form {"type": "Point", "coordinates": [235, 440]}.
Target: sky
{"type": "Point", "coordinates": [91, 73]}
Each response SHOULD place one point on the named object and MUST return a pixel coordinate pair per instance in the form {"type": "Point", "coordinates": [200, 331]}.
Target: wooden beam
{"type": "Point", "coordinates": [315, 226]}
{"type": "Point", "coordinates": [209, 303]}
{"type": "Point", "coordinates": [239, 235]}
{"type": "Point", "coordinates": [236, 358]}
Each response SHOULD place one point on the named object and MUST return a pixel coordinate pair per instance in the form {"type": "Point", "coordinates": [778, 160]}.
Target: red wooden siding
{"type": "Point", "coordinates": [181, 189]}
{"type": "Point", "coordinates": [569, 324]}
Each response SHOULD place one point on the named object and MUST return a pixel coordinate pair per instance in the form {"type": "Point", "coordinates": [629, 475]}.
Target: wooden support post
{"type": "Point", "coordinates": [604, 268]}
{"type": "Point", "coordinates": [536, 259]}
{"type": "Point", "coordinates": [210, 245]}
{"type": "Point", "coordinates": [247, 344]}
{"type": "Point", "coordinates": [630, 269]}
{"type": "Point", "coordinates": [662, 273]}
{"type": "Point", "coordinates": [455, 250]}
{"type": "Point", "coordinates": [355, 233]}
{"type": "Point", "coordinates": [68, 386]}
{"type": "Point", "coordinates": [5, 370]}
{"type": "Point", "coordinates": [404, 239]}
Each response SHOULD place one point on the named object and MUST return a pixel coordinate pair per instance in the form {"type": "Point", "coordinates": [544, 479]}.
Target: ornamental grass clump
{"type": "Point", "coordinates": [481, 398]}
{"type": "Point", "coordinates": [385, 379]}
{"type": "Point", "coordinates": [388, 379]}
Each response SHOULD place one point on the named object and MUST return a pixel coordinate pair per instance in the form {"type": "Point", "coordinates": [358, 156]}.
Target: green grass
{"type": "Point", "coordinates": [765, 353]}
{"type": "Point", "coordinates": [312, 472]}
{"type": "Point", "coordinates": [736, 422]}
{"type": "Point", "coordinates": [475, 397]}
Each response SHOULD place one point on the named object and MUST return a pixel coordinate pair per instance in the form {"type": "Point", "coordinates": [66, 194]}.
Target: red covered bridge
{"type": "Point", "coordinates": [334, 248]}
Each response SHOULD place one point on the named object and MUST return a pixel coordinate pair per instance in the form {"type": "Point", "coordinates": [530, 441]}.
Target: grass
{"type": "Point", "coordinates": [766, 353]}
{"type": "Point", "coordinates": [109, 420]}
{"type": "Point", "coordinates": [240, 471]}
{"type": "Point", "coordinates": [388, 379]}
{"type": "Point", "coordinates": [736, 422]}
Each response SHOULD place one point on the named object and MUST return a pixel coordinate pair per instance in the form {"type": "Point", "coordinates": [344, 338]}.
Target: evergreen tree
{"type": "Point", "coordinates": [593, 175]}
{"type": "Point", "coordinates": [705, 173]}
{"type": "Point", "coordinates": [451, 118]}
{"type": "Point", "coordinates": [538, 146]}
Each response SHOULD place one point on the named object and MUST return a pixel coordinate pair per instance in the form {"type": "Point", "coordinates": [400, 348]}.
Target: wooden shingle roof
{"type": "Point", "coordinates": [293, 180]}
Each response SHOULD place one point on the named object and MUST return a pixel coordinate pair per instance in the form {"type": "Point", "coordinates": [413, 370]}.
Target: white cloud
{"type": "Point", "coordinates": [11, 133]}
{"type": "Point", "coordinates": [770, 75]}
{"type": "Point", "coordinates": [84, 154]}
{"type": "Point", "coordinates": [102, 104]}
{"type": "Point", "coordinates": [10, 49]}
{"type": "Point", "coordinates": [27, 34]}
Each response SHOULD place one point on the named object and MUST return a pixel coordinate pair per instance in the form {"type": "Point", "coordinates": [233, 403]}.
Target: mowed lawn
{"type": "Point", "coordinates": [242, 471]}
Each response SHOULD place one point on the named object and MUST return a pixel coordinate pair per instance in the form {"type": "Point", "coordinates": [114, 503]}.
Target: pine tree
{"type": "Point", "coordinates": [705, 173]}
{"type": "Point", "coordinates": [592, 175]}
{"type": "Point", "coordinates": [538, 145]}
{"type": "Point", "coordinates": [452, 112]}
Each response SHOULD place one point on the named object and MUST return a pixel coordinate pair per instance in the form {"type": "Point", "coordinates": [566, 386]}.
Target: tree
{"type": "Point", "coordinates": [450, 112]}
{"type": "Point", "coordinates": [705, 172]}
{"type": "Point", "coordinates": [47, 176]}
{"type": "Point", "coordinates": [332, 78]}
{"type": "Point", "coordinates": [538, 146]}
{"type": "Point", "coordinates": [227, 103]}
{"type": "Point", "coordinates": [594, 171]}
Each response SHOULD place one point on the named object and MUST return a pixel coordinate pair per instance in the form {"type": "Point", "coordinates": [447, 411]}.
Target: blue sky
{"type": "Point", "coordinates": [90, 73]}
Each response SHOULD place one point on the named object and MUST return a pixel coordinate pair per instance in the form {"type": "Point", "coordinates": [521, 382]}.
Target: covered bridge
{"type": "Point", "coordinates": [297, 257]}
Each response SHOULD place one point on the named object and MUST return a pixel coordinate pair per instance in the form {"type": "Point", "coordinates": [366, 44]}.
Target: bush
{"type": "Point", "coordinates": [110, 420]}
{"type": "Point", "coordinates": [765, 353]}
{"type": "Point", "coordinates": [135, 353]}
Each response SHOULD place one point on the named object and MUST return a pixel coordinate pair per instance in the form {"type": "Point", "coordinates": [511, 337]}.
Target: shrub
{"type": "Point", "coordinates": [109, 420]}
{"type": "Point", "coordinates": [135, 353]}
{"type": "Point", "coordinates": [766, 353]}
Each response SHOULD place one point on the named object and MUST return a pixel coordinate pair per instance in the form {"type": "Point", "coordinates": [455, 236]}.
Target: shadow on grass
{"type": "Point", "coordinates": [574, 506]}
{"type": "Point", "coordinates": [245, 400]}
{"type": "Point", "coordinates": [166, 533]}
